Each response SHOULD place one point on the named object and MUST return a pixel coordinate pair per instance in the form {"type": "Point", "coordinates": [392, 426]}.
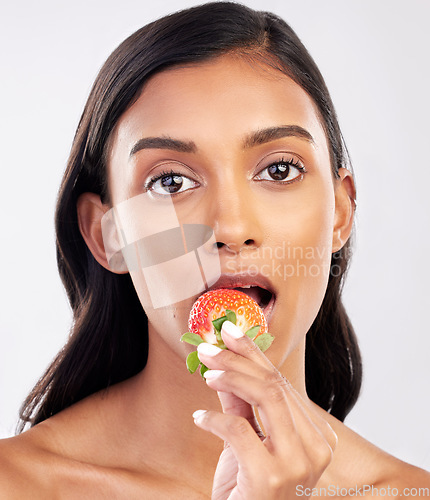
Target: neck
{"type": "Point", "coordinates": [293, 369]}
{"type": "Point", "coordinates": [155, 408]}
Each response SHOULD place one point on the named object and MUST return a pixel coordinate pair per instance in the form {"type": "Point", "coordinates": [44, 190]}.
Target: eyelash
{"type": "Point", "coordinates": [291, 163]}
{"type": "Point", "coordinates": [165, 173]}
{"type": "Point", "coordinates": [155, 178]}
{"type": "Point", "coordinates": [282, 161]}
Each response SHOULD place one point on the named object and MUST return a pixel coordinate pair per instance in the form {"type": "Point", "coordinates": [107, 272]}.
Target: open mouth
{"type": "Point", "coordinates": [260, 295]}
{"type": "Point", "coordinates": [258, 287]}
{"type": "Point", "coordinates": [264, 298]}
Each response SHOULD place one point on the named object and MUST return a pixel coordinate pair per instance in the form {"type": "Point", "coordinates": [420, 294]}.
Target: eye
{"type": "Point", "coordinates": [284, 171]}
{"type": "Point", "coordinates": [170, 183]}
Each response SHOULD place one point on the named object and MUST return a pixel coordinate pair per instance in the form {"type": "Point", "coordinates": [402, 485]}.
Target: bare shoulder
{"type": "Point", "coordinates": [389, 477]}
{"type": "Point", "coordinates": [403, 479]}
{"type": "Point", "coordinates": [31, 466]}
{"type": "Point", "coordinates": [23, 467]}
{"type": "Point", "coordinates": [359, 468]}
{"type": "Point", "coordinates": [41, 464]}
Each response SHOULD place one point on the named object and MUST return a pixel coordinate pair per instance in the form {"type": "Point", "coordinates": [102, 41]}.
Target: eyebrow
{"type": "Point", "coordinates": [252, 140]}
{"type": "Point", "coordinates": [272, 133]}
{"type": "Point", "coordinates": [163, 143]}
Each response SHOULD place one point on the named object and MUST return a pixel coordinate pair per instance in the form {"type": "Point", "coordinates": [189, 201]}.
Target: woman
{"type": "Point", "coordinates": [219, 114]}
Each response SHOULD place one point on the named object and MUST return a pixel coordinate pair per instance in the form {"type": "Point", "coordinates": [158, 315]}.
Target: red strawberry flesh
{"type": "Point", "coordinates": [213, 304]}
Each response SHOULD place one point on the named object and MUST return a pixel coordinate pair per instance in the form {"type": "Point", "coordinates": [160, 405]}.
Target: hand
{"type": "Point", "coordinates": [297, 444]}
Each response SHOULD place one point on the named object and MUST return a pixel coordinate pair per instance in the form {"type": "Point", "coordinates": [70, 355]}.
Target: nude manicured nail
{"type": "Point", "coordinates": [232, 330]}
{"type": "Point", "coordinates": [212, 374]}
{"type": "Point", "coordinates": [208, 349]}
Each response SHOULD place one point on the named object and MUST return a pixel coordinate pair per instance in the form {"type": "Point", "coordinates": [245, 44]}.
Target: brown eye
{"type": "Point", "coordinates": [279, 171]}
{"type": "Point", "coordinates": [170, 183]}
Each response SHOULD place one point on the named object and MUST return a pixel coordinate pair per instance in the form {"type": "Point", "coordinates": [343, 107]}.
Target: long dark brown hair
{"type": "Point", "coordinates": [108, 340]}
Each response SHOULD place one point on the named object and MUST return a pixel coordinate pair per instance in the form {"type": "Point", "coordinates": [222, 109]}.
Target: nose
{"type": "Point", "coordinates": [235, 218]}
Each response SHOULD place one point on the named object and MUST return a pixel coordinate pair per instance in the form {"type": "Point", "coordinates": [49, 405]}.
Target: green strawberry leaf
{"type": "Point", "coordinates": [203, 369]}
{"type": "Point", "coordinates": [264, 341]}
{"type": "Point", "coordinates": [217, 323]}
{"type": "Point", "coordinates": [253, 332]}
{"type": "Point", "coordinates": [231, 316]}
{"type": "Point", "coordinates": [191, 338]}
{"type": "Point", "coordinates": [192, 361]}
{"type": "Point", "coordinates": [218, 337]}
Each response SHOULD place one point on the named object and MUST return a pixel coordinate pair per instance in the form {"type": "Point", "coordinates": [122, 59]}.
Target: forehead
{"type": "Point", "coordinates": [215, 103]}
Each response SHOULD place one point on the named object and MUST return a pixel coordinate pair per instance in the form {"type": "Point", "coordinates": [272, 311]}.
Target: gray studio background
{"type": "Point", "coordinates": [374, 57]}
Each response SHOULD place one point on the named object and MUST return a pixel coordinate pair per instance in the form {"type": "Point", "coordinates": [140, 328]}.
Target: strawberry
{"type": "Point", "coordinates": [210, 311]}
{"type": "Point", "coordinates": [213, 305]}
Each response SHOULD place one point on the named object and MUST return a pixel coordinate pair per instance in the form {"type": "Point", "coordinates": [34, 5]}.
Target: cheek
{"type": "Point", "coordinates": [169, 322]}
{"type": "Point", "coordinates": [309, 264]}
{"type": "Point", "coordinates": [302, 267]}
{"type": "Point", "coordinates": [162, 258]}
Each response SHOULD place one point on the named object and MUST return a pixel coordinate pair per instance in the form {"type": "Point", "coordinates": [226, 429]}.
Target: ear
{"type": "Point", "coordinates": [90, 212]}
{"type": "Point", "coordinates": [344, 209]}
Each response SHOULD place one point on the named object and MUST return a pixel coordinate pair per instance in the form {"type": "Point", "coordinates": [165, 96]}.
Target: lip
{"type": "Point", "coordinates": [244, 280]}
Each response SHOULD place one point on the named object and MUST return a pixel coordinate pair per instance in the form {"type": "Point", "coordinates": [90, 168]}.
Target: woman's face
{"type": "Point", "coordinates": [247, 155]}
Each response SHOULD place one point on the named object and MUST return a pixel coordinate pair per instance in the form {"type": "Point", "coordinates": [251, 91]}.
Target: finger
{"type": "Point", "coordinates": [289, 429]}
{"type": "Point", "coordinates": [237, 432]}
{"type": "Point", "coordinates": [238, 342]}
{"type": "Point", "coordinates": [315, 436]}
{"type": "Point", "coordinates": [318, 439]}
{"type": "Point", "coordinates": [315, 432]}
{"type": "Point", "coordinates": [254, 363]}
{"type": "Point", "coordinates": [312, 428]}
{"type": "Point", "coordinates": [270, 400]}
{"type": "Point", "coordinates": [215, 358]}
{"type": "Point", "coordinates": [300, 409]}
{"type": "Point", "coordinates": [233, 405]}
{"type": "Point", "coordinates": [253, 389]}
{"type": "Point", "coordinates": [227, 360]}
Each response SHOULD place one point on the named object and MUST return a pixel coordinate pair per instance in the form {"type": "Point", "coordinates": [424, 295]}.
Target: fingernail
{"type": "Point", "coordinates": [198, 414]}
{"type": "Point", "coordinates": [208, 349]}
{"type": "Point", "coordinates": [212, 374]}
{"type": "Point", "coordinates": [232, 330]}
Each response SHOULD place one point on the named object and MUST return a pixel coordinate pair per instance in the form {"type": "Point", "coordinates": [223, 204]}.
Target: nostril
{"type": "Point", "coordinates": [220, 244]}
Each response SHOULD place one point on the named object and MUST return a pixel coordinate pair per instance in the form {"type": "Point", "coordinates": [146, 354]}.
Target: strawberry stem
{"type": "Point", "coordinates": [193, 362]}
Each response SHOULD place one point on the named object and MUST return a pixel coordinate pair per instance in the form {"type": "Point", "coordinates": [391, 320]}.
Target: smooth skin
{"type": "Point", "coordinates": [138, 439]}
